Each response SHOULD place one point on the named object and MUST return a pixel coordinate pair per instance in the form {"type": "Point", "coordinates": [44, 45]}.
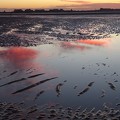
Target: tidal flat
{"type": "Point", "coordinates": [60, 67]}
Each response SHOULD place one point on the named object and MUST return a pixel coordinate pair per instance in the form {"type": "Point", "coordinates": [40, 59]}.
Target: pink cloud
{"type": "Point", "coordinates": [90, 6]}
{"type": "Point", "coordinates": [77, 1]}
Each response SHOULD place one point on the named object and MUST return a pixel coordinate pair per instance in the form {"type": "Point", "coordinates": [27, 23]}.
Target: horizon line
{"type": "Point", "coordinates": [48, 9]}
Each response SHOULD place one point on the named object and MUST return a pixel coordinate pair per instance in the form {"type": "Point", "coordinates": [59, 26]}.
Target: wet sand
{"type": "Point", "coordinates": [67, 45]}
{"type": "Point", "coordinates": [9, 111]}
{"type": "Point", "coordinates": [36, 30]}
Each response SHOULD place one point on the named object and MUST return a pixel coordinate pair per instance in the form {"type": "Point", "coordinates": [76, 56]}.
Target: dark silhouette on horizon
{"type": "Point", "coordinates": [63, 12]}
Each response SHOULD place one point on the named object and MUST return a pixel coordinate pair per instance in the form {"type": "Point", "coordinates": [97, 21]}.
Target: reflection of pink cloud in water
{"type": "Point", "coordinates": [100, 42]}
{"type": "Point", "coordinates": [21, 53]}
{"type": "Point", "coordinates": [24, 58]}
{"type": "Point", "coordinates": [74, 45]}
{"type": "Point", "coordinates": [83, 44]}
{"type": "Point", "coordinates": [20, 56]}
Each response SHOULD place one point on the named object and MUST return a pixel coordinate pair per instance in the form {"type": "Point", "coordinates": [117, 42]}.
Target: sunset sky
{"type": "Point", "coordinates": [65, 4]}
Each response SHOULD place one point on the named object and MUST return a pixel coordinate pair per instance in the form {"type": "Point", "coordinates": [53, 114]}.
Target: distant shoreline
{"type": "Point", "coordinates": [100, 11]}
{"type": "Point", "coordinates": [61, 13]}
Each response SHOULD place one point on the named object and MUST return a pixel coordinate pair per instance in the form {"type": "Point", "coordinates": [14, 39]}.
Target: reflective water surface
{"type": "Point", "coordinates": [84, 72]}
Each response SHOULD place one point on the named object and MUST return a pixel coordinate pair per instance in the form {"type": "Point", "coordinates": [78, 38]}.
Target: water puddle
{"type": "Point", "coordinates": [69, 73]}
{"type": "Point", "coordinates": [73, 61]}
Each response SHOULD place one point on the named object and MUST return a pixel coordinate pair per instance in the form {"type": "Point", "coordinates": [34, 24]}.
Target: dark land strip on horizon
{"type": "Point", "coordinates": [60, 12]}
